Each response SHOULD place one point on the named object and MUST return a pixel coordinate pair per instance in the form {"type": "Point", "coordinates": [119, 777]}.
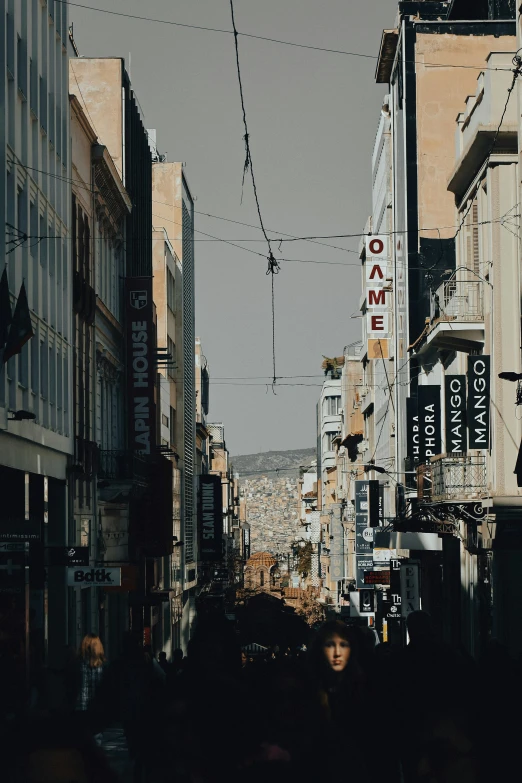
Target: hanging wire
{"type": "Point", "coordinates": [273, 265]}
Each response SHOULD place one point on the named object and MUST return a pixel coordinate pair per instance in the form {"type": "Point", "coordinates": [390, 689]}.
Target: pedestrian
{"type": "Point", "coordinates": [340, 680]}
{"type": "Point", "coordinates": [164, 664]}
{"type": "Point", "coordinates": [91, 669]}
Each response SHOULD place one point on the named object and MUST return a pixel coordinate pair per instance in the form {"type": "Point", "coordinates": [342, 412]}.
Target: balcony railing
{"type": "Point", "coordinates": [452, 478]}
{"type": "Point", "coordinates": [458, 300]}
{"type": "Point", "coordinates": [121, 466]}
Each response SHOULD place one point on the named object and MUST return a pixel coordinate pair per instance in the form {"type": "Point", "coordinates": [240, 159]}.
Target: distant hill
{"type": "Point", "coordinates": [269, 462]}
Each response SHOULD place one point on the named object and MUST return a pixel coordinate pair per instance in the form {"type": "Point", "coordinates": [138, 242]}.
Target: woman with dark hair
{"type": "Point", "coordinates": [335, 667]}
{"type": "Point", "coordinates": [337, 671]}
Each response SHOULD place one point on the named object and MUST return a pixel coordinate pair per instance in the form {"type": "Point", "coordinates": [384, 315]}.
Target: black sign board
{"type": "Point", "coordinates": [140, 339]}
{"type": "Point", "coordinates": [363, 564]}
{"type": "Point", "coordinates": [377, 577]}
{"type": "Point", "coordinates": [210, 517]}
{"type": "Point", "coordinates": [430, 442]}
{"type": "Point", "coordinates": [412, 428]}
{"type": "Point", "coordinates": [361, 497]}
{"type": "Point", "coordinates": [479, 384]}
{"type": "Point", "coordinates": [374, 503]}
{"type": "Point", "coordinates": [455, 386]}
{"type": "Point", "coordinates": [366, 601]}
{"type": "Point", "coordinates": [68, 555]}
{"type": "Point", "coordinates": [17, 529]}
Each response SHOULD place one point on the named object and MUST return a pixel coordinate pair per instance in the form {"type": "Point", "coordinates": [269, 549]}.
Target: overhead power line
{"type": "Point", "coordinates": [268, 39]}
{"type": "Point", "coordinates": [273, 266]}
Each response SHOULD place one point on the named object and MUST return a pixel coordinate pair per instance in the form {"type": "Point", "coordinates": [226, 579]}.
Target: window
{"type": "Point", "coordinates": [43, 370]}
{"type": "Point", "coordinates": [171, 369]}
{"type": "Point", "coordinates": [164, 420]}
{"type": "Point", "coordinates": [328, 441]}
{"type": "Point", "coordinates": [170, 291]}
{"type": "Point", "coordinates": [172, 426]}
{"type": "Point", "coordinates": [332, 406]}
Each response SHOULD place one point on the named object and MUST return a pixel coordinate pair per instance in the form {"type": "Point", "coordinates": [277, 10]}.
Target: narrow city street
{"type": "Point", "coordinates": [260, 391]}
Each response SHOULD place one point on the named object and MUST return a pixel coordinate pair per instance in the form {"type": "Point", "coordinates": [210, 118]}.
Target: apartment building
{"type": "Point", "coordinates": [36, 443]}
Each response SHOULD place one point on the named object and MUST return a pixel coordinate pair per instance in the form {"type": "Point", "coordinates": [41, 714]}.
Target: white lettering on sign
{"type": "Point", "coordinates": [480, 407]}
{"type": "Point", "coordinates": [140, 380]}
{"type": "Point", "coordinates": [207, 510]}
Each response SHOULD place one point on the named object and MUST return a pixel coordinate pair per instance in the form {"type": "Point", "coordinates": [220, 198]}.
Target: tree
{"type": "Point", "coordinates": [310, 609]}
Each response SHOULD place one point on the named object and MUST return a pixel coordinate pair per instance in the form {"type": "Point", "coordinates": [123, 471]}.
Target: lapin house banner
{"type": "Point", "coordinates": [430, 441]}
{"type": "Point", "coordinates": [210, 517]}
{"type": "Point", "coordinates": [456, 438]}
{"type": "Point", "coordinates": [141, 371]}
{"type": "Point", "coordinates": [479, 386]}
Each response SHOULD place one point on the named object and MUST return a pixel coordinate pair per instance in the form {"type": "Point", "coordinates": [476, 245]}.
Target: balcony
{"type": "Point", "coordinates": [452, 479]}
{"type": "Point", "coordinates": [457, 316]}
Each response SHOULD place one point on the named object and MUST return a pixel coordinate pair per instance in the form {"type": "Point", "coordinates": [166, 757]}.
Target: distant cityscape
{"type": "Point", "coordinates": [272, 513]}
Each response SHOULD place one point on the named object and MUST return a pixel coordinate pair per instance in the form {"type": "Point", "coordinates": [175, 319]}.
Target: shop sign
{"type": "Point", "coordinates": [94, 577]}
{"type": "Point", "coordinates": [455, 386]}
{"type": "Point", "coordinates": [430, 442]}
{"type": "Point", "coordinates": [410, 588]}
{"type": "Point", "coordinates": [479, 385]}
{"type": "Point", "coordinates": [210, 517]}
{"type": "Point", "coordinates": [140, 341]}
{"type": "Point", "coordinates": [412, 428]}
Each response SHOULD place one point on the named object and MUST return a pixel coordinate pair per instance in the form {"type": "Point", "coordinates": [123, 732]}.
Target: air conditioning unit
{"type": "Point", "coordinates": [363, 446]}
{"type": "Point", "coordinates": [341, 493]}
{"type": "Point", "coordinates": [364, 391]}
{"type": "Point", "coordinates": [342, 451]}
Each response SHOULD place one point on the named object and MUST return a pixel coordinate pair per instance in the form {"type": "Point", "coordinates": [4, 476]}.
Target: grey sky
{"type": "Point", "coordinates": [312, 118]}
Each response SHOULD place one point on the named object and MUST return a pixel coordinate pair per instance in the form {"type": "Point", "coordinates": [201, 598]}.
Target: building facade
{"type": "Point", "coordinates": [35, 199]}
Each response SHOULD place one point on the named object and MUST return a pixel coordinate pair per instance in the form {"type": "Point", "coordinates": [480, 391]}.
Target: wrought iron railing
{"type": "Point", "coordinates": [458, 300]}
{"type": "Point", "coordinates": [457, 477]}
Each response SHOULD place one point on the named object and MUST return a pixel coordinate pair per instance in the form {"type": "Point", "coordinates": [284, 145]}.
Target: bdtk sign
{"type": "Point", "coordinates": [479, 385]}
{"type": "Point", "coordinates": [455, 414]}
{"type": "Point", "coordinates": [94, 577]}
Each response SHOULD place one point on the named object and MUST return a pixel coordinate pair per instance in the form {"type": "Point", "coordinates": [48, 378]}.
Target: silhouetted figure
{"type": "Point", "coordinates": [133, 692]}
{"type": "Point", "coordinates": [335, 666]}
{"type": "Point", "coordinates": [164, 664]}
{"type": "Point", "coordinates": [178, 661]}
{"type": "Point", "coordinates": [42, 751]}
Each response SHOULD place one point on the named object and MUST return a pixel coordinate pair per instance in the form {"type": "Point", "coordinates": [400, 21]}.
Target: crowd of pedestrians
{"type": "Point", "coordinates": [344, 708]}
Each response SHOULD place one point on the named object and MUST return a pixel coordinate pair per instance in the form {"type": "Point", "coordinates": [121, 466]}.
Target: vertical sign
{"type": "Point", "coordinates": [363, 563]}
{"type": "Point", "coordinates": [479, 384]}
{"type": "Point", "coordinates": [210, 517]}
{"type": "Point", "coordinates": [363, 532]}
{"type": "Point", "coordinates": [375, 503]}
{"type": "Point", "coordinates": [455, 387]}
{"type": "Point", "coordinates": [141, 366]}
{"type": "Point", "coordinates": [430, 442]}
{"type": "Point", "coordinates": [412, 428]}
{"type": "Point", "coordinates": [376, 294]}
{"type": "Point", "coordinates": [410, 588]}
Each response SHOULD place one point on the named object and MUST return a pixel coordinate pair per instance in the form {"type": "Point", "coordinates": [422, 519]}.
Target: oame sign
{"type": "Point", "coordinates": [376, 291]}
{"type": "Point", "coordinates": [94, 577]}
